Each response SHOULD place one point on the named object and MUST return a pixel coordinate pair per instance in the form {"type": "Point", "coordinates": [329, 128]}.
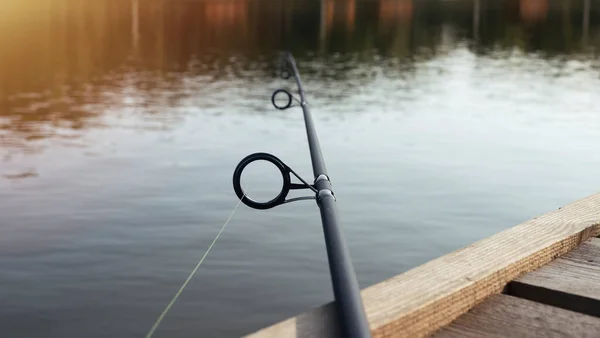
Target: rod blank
{"type": "Point", "coordinates": [350, 310]}
{"type": "Point", "coordinates": [349, 303]}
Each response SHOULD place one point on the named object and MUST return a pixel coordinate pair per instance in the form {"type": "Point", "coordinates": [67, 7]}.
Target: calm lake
{"type": "Point", "coordinates": [121, 122]}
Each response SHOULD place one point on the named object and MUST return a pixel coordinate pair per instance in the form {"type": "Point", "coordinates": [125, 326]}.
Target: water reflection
{"type": "Point", "coordinates": [533, 10]}
{"type": "Point", "coordinates": [391, 11]}
{"type": "Point", "coordinates": [66, 65]}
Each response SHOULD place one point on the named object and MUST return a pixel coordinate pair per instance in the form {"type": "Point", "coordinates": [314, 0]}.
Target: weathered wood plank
{"type": "Point", "coordinates": [424, 299]}
{"type": "Point", "coordinates": [508, 316]}
{"type": "Point", "coordinates": [571, 282]}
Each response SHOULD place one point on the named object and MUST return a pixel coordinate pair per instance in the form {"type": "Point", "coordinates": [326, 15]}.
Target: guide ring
{"type": "Point", "coordinates": [285, 74]}
{"type": "Point", "coordinates": [285, 189]}
{"type": "Point", "coordinates": [289, 99]}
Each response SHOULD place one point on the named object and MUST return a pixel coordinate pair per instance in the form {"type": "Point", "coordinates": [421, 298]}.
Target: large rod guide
{"type": "Point", "coordinates": [350, 309]}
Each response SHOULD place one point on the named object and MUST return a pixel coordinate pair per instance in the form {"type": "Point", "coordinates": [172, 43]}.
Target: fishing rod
{"type": "Point", "coordinates": [350, 309]}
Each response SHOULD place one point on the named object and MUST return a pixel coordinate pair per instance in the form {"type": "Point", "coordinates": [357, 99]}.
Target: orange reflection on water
{"type": "Point", "coordinates": [330, 9]}
{"type": "Point", "coordinates": [48, 51]}
{"type": "Point", "coordinates": [533, 10]}
{"type": "Point", "coordinates": [337, 11]}
{"type": "Point", "coordinates": [225, 13]}
{"type": "Point", "coordinates": [350, 14]}
{"type": "Point", "coordinates": [392, 11]}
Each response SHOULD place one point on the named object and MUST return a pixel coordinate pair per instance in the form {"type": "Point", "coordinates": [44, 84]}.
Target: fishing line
{"type": "Point", "coordinates": [170, 305]}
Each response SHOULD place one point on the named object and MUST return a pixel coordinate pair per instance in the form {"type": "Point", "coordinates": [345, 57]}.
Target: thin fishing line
{"type": "Point", "coordinates": [170, 305]}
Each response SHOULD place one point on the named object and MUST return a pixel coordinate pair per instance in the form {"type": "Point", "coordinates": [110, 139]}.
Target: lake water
{"type": "Point", "coordinates": [121, 122]}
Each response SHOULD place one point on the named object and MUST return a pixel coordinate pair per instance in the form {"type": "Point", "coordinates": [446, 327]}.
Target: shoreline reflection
{"type": "Point", "coordinates": [69, 64]}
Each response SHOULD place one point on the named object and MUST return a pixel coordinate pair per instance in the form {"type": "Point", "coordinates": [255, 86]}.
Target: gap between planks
{"type": "Point", "coordinates": [571, 282]}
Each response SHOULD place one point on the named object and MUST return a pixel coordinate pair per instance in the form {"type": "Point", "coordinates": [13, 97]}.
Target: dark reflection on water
{"type": "Point", "coordinates": [65, 64]}
{"type": "Point", "coordinates": [121, 123]}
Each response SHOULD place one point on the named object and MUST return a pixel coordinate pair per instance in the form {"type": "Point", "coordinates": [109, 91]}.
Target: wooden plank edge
{"type": "Point", "coordinates": [426, 298]}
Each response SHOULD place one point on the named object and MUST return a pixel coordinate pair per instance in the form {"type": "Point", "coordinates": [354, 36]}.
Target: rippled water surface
{"type": "Point", "coordinates": [442, 122]}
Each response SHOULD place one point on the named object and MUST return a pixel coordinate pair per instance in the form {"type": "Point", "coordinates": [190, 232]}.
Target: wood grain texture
{"type": "Point", "coordinates": [424, 299]}
{"type": "Point", "coordinates": [504, 316]}
{"type": "Point", "coordinates": [571, 282]}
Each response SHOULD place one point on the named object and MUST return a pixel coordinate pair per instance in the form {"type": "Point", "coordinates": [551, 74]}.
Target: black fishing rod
{"type": "Point", "coordinates": [350, 309]}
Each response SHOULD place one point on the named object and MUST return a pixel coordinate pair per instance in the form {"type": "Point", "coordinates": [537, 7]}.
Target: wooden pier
{"type": "Point", "coordinates": [538, 279]}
